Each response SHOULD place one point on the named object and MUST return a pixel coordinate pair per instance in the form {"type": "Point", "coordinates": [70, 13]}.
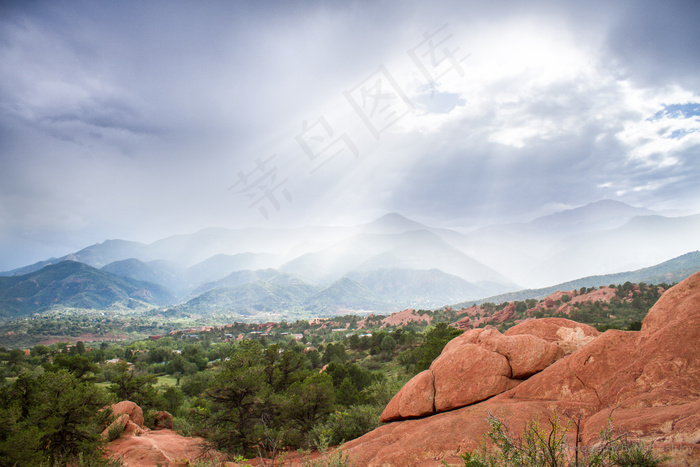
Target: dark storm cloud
{"type": "Point", "coordinates": [656, 42]}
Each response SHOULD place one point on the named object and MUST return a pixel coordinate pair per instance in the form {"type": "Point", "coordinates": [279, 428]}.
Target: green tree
{"type": "Point", "coordinates": [57, 421]}
{"type": "Point", "coordinates": [15, 358]}
{"type": "Point", "coordinates": [240, 398]}
{"type": "Point", "coordinates": [347, 394]}
{"type": "Point", "coordinates": [128, 385]}
{"type": "Point", "coordinates": [354, 342]}
{"type": "Point", "coordinates": [194, 385]}
{"type": "Point", "coordinates": [289, 369]}
{"type": "Point", "coordinates": [69, 417]}
{"type": "Point", "coordinates": [19, 439]}
{"type": "Point", "coordinates": [173, 398]}
{"type": "Point", "coordinates": [388, 345]}
{"type": "Point", "coordinates": [344, 425]}
{"type": "Point", "coordinates": [307, 401]}
{"type": "Point", "coordinates": [420, 358]}
{"type": "Point", "coordinates": [80, 365]}
{"type": "Point", "coordinates": [335, 353]}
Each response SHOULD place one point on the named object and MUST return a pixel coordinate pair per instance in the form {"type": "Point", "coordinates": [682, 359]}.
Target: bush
{"type": "Point", "coordinates": [345, 425]}
{"type": "Point", "coordinates": [182, 426]}
{"type": "Point", "coordinates": [337, 458]}
{"type": "Point", "coordinates": [542, 447]}
{"type": "Point", "coordinates": [115, 431]}
{"type": "Point", "coordinates": [637, 455]}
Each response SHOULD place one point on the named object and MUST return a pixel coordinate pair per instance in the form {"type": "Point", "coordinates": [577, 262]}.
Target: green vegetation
{"type": "Point", "coordinates": [54, 418]}
{"type": "Point", "coordinates": [548, 447]}
{"type": "Point", "coordinates": [625, 311]}
{"type": "Point", "coordinates": [250, 389]}
{"type": "Point", "coordinates": [419, 358]}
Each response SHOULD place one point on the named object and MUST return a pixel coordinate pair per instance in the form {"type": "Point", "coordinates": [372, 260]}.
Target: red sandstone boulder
{"type": "Point", "coordinates": [657, 366]}
{"type": "Point", "coordinates": [472, 367]}
{"type": "Point", "coordinates": [129, 408]}
{"type": "Point", "coordinates": [466, 374]}
{"type": "Point", "coordinates": [140, 447]}
{"type": "Point", "coordinates": [501, 316]}
{"type": "Point", "coordinates": [129, 417]}
{"type": "Point", "coordinates": [569, 335]}
{"type": "Point", "coordinates": [132, 429]}
{"type": "Point", "coordinates": [526, 354]}
{"type": "Point", "coordinates": [415, 399]}
{"type": "Point", "coordinates": [444, 436]}
{"type": "Point", "coordinates": [647, 383]}
{"type": "Point", "coordinates": [463, 324]}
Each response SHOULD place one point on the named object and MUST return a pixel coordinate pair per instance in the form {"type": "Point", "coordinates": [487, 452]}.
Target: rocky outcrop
{"type": "Point", "coordinates": [646, 383]}
{"type": "Point", "coordinates": [567, 334]}
{"type": "Point", "coordinates": [405, 317]}
{"type": "Point", "coordinates": [415, 399]}
{"type": "Point", "coordinates": [452, 369]}
{"type": "Point", "coordinates": [475, 366]}
{"type": "Point", "coordinates": [156, 448]}
{"type": "Point", "coordinates": [140, 447]}
{"type": "Point", "coordinates": [128, 417]}
{"type": "Point", "coordinates": [129, 409]}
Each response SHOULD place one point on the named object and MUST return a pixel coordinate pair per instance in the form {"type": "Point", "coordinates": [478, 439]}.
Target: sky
{"type": "Point", "coordinates": [143, 119]}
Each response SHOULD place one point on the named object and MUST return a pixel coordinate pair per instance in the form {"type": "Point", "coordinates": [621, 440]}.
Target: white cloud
{"type": "Point", "coordinates": [138, 119]}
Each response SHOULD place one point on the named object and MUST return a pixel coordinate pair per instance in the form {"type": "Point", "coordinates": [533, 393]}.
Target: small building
{"type": "Point", "coordinates": [116, 361]}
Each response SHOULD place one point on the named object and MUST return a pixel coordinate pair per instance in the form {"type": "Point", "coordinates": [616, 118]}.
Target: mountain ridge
{"type": "Point", "coordinates": [394, 254]}
{"type": "Point", "coordinates": [74, 284]}
{"type": "Point", "coordinates": [673, 270]}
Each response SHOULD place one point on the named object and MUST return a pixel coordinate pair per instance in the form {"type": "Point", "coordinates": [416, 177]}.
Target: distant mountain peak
{"type": "Point", "coordinates": [603, 214]}
{"type": "Point", "coordinates": [393, 222]}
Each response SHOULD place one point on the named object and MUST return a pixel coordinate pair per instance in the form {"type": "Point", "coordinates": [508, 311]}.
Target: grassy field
{"type": "Point", "coordinates": [167, 380]}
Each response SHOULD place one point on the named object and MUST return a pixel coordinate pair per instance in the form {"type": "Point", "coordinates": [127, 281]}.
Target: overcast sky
{"type": "Point", "coordinates": [138, 120]}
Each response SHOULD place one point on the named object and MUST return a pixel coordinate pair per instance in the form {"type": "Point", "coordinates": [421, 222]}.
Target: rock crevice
{"type": "Point", "coordinates": [478, 365]}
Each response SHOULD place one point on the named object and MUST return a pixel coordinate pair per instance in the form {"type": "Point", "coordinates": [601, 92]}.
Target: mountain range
{"type": "Point", "coordinates": [74, 284]}
{"type": "Point", "coordinates": [385, 265]}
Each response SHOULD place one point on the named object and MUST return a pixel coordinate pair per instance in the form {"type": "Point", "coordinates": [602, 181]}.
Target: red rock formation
{"type": "Point", "coordinates": [153, 448]}
{"type": "Point", "coordinates": [567, 334]}
{"type": "Point", "coordinates": [140, 447]}
{"type": "Point", "coordinates": [130, 409]}
{"type": "Point", "coordinates": [463, 324]}
{"type": "Point", "coordinates": [479, 364]}
{"type": "Point", "coordinates": [415, 399]}
{"type": "Point", "coordinates": [505, 314]}
{"type": "Point", "coordinates": [402, 318]}
{"type": "Point", "coordinates": [647, 383]}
